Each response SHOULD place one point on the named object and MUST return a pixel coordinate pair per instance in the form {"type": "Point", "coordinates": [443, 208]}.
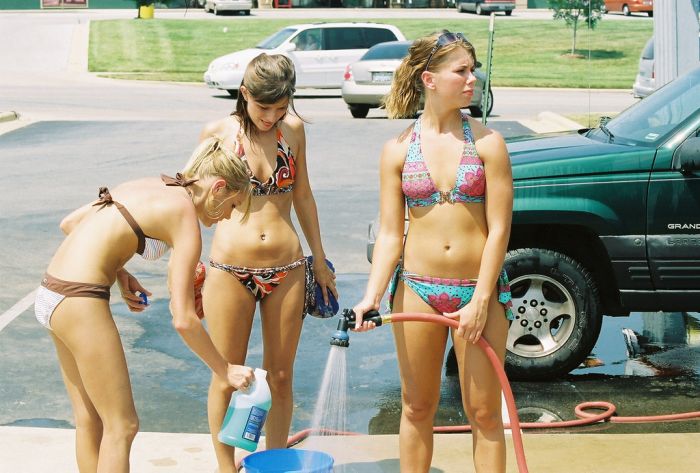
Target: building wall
{"type": "Point", "coordinates": [92, 4]}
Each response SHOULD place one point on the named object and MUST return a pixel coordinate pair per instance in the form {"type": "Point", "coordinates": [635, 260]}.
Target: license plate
{"type": "Point", "coordinates": [382, 77]}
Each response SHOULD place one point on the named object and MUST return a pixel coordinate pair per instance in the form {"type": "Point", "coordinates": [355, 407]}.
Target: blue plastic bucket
{"type": "Point", "coordinates": [288, 460]}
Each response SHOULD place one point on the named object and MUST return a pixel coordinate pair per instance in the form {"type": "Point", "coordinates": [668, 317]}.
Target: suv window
{"type": "Point", "coordinates": [271, 42]}
{"type": "Point", "coordinates": [345, 38]}
{"type": "Point", "coordinates": [356, 37]}
{"type": "Point", "coordinates": [308, 40]}
{"type": "Point", "coordinates": [378, 35]}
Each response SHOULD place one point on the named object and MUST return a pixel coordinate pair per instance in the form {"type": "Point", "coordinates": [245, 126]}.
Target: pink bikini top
{"type": "Point", "coordinates": [418, 185]}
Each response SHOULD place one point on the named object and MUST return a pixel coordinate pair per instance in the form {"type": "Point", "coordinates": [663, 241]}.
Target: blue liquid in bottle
{"type": "Point", "coordinates": [246, 414]}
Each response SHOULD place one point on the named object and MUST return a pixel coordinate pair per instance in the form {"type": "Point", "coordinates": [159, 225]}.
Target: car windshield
{"type": "Point", "coordinates": [386, 51]}
{"type": "Point", "coordinates": [652, 120]}
{"type": "Point", "coordinates": [271, 42]}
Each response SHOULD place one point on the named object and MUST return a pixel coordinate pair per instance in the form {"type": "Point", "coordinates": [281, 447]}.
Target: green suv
{"type": "Point", "coordinates": [605, 221]}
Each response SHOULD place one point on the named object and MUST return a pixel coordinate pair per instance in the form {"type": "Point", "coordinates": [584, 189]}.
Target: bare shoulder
{"type": "Point", "coordinates": [395, 149]}
{"type": "Point", "coordinates": [489, 143]}
{"type": "Point", "coordinates": [292, 128]}
{"type": "Point", "coordinates": [227, 126]}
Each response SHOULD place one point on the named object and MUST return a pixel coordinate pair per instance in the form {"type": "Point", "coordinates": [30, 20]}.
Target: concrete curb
{"type": "Point", "coordinates": [9, 116]}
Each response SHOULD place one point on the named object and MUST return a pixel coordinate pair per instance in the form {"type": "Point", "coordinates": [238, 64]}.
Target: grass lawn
{"type": "Point", "coordinates": [526, 53]}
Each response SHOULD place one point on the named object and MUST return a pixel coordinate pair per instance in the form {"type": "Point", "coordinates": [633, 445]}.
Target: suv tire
{"type": "Point", "coordinates": [557, 314]}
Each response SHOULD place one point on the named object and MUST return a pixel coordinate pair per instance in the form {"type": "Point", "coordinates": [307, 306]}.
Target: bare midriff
{"type": "Point", "coordinates": [446, 240]}
{"type": "Point", "coordinates": [268, 238]}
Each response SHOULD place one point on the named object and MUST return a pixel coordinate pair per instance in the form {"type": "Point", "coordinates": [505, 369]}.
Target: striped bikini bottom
{"type": "Point", "coordinates": [53, 290]}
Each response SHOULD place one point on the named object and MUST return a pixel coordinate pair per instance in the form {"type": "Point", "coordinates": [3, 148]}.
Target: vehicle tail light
{"type": "Point", "coordinates": [348, 73]}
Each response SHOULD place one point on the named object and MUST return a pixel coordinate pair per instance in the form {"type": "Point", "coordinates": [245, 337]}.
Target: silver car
{"type": "Point", "coordinates": [218, 6]}
{"type": "Point", "coordinates": [644, 82]}
{"type": "Point", "coordinates": [368, 80]}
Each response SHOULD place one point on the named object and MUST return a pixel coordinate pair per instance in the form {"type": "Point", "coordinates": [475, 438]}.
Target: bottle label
{"type": "Point", "coordinates": [253, 426]}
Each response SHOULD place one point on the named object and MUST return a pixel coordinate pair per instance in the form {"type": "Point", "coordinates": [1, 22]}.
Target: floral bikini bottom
{"type": "Point", "coordinates": [447, 295]}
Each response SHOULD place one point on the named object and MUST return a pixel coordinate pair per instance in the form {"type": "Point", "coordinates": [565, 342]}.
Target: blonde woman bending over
{"type": "Point", "coordinates": [454, 175]}
{"type": "Point", "coordinates": [261, 260]}
{"type": "Point", "coordinates": [145, 216]}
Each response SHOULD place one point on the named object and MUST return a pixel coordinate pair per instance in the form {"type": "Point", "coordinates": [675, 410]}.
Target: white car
{"type": "Point", "coordinates": [320, 52]}
{"type": "Point", "coordinates": [218, 6]}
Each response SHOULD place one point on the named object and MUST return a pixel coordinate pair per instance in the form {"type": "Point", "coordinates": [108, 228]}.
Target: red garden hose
{"type": "Point", "coordinates": [584, 417]}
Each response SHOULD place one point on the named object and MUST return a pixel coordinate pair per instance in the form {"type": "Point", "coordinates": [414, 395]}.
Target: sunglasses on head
{"type": "Point", "coordinates": [443, 40]}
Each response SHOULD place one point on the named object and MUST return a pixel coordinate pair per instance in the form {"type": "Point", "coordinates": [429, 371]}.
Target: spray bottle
{"type": "Point", "coordinates": [246, 414]}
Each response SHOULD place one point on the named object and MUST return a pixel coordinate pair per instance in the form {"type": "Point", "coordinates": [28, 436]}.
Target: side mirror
{"type": "Point", "coordinates": [288, 47]}
{"type": "Point", "coordinates": [686, 159]}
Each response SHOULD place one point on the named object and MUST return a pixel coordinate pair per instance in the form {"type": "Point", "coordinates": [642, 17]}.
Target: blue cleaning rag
{"type": "Point", "coordinates": [320, 309]}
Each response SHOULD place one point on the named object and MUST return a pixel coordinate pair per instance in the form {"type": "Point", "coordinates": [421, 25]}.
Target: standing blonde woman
{"type": "Point", "coordinates": [454, 175]}
{"type": "Point", "coordinates": [145, 216]}
{"type": "Point", "coordinates": [261, 260]}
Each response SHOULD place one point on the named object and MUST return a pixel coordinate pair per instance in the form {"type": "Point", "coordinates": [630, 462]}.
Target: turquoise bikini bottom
{"type": "Point", "coordinates": [447, 295]}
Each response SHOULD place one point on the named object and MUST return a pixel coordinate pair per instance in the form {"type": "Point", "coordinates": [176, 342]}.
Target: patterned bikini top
{"type": "Point", "coordinates": [282, 178]}
{"type": "Point", "coordinates": [149, 248]}
{"type": "Point", "coordinates": [418, 185]}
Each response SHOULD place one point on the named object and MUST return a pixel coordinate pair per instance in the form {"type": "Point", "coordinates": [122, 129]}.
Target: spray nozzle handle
{"type": "Point", "coordinates": [351, 318]}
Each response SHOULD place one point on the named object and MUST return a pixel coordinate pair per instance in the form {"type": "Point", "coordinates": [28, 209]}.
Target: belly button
{"type": "Point", "coordinates": [447, 247]}
{"type": "Point", "coordinates": [262, 236]}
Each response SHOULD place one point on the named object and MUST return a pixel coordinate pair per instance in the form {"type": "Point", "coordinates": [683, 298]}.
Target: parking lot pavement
{"type": "Point", "coordinates": [545, 453]}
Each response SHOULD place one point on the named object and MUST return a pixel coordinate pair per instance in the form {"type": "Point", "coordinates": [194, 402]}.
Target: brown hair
{"type": "Point", "coordinates": [269, 79]}
{"type": "Point", "coordinates": [212, 158]}
{"type": "Point", "coordinates": [403, 99]}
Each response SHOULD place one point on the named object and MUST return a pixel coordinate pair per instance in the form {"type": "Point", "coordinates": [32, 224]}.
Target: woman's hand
{"type": "Point", "coordinates": [240, 377]}
{"type": "Point", "coordinates": [364, 306]}
{"type": "Point", "coordinates": [129, 286]}
{"type": "Point", "coordinates": [324, 278]}
{"type": "Point", "coordinates": [472, 319]}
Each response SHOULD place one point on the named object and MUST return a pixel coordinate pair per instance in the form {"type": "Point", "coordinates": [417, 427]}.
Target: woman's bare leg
{"type": "Point", "coordinates": [481, 392]}
{"type": "Point", "coordinates": [229, 308]}
{"type": "Point", "coordinates": [281, 325]}
{"type": "Point", "coordinates": [420, 347]}
{"type": "Point", "coordinates": [97, 379]}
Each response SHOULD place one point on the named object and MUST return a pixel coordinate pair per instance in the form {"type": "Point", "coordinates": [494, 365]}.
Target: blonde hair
{"type": "Point", "coordinates": [212, 159]}
{"type": "Point", "coordinates": [403, 99]}
{"type": "Point", "coordinates": [268, 78]}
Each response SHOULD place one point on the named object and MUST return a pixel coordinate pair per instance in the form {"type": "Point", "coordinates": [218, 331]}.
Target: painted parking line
{"type": "Point", "coordinates": [11, 314]}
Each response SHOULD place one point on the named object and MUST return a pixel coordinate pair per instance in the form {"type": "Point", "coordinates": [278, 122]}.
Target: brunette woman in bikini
{"type": "Point", "coordinates": [73, 299]}
{"type": "Point", "coordinates": [454, 175]}
{"type": "Point", "coordinates": [261, 260]}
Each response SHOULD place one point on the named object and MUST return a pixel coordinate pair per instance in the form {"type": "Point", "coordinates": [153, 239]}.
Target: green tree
{"type": "Point", "coordinates": [573, 11]}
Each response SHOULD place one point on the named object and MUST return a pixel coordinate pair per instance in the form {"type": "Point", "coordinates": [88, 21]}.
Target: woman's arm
{"type": "Point", "coordinates": [307, 213]}
{"type": "Point", "coordinates": [186, 246]}
{"type": "Point", "coordinates": [389, 243]}
{"type": "Point", "coordinates": [499, 209]}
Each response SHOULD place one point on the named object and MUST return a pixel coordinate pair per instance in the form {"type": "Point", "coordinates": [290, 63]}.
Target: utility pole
{"type": "Point", "coordinates": [676, 48]}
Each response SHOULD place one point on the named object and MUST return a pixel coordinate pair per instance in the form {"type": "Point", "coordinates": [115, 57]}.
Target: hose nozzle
{"type": "Point", "coordinates": [347, 321]}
